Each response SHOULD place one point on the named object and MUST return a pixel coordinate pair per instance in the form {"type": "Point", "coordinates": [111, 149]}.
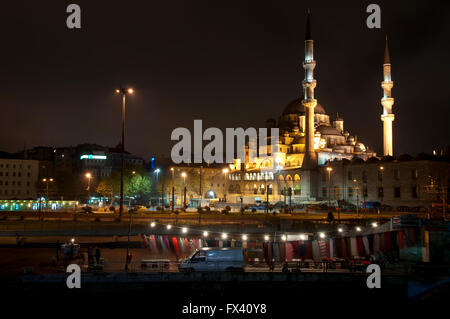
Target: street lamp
{"type": "Point", "coordinates": [89, 176]}
{"type": "Point", "coordinates": [173, 188]}
{"type": "Point", "coordinates": [124, 92]}
{"type": "Point", "coordinates": [329, 170]}
{"type": "Point", "coordinates": [131, 197]}
{"type": "Point", "coordinates": [381, 194]}
{"type": "Point", "coordinates": [184, 183]}
{"type": "Point", "coordinates": [357, 196]}
{"type": "Point", "coordinates": [225, 172]}
{"type": "Point", "coordinates": [156, 171]}
{"type": "Point", "coordinates": [46, 181]}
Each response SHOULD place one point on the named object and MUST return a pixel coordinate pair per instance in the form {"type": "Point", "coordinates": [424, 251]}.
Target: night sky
{"type": "Point", "coordinates": [230, 63]}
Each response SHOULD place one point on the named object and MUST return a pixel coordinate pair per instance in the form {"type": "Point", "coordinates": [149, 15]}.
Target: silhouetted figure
{"type": "Point", "coordinates": [97, 255]}
{"type": "Point", "coordinates": [90, 252]}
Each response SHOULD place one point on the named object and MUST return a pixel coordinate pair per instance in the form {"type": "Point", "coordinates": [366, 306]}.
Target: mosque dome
{"type": "Point", "coordinates": [296, 107]}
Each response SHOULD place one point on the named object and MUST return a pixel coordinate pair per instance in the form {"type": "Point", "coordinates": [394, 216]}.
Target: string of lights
{"type": "Point", "coordinates": [283, 235]}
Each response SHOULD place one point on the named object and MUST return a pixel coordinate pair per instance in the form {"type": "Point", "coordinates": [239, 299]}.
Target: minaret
{"type": "Point", "coordinates": [387, 101]}
{"type": "Point", "coordinates": [309, 83]}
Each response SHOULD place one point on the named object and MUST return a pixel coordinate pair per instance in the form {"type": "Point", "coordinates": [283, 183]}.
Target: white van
{"type": "Point", "coordinates": [214, 259]}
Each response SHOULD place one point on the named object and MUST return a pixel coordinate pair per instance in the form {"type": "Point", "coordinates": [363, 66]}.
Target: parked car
{"type": "Point", "coordinates": [371, 205]}
{"type": "Point", "coordinates": [214, 259]}
{"type": "Point", "coordinates": [86, 209]}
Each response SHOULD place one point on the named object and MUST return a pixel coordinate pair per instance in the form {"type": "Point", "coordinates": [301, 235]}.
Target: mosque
{"type": "Point", "coordinates": [308, 139]}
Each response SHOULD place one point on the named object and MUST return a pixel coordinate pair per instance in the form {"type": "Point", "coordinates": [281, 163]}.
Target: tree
{"type": "Point", "coordinates": [138, 185]}
{"type": "Point", "coordinates": [106, 188]}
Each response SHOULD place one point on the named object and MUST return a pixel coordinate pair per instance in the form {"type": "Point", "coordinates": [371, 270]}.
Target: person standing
{"type": "Point", "coordinates": [97, 255]}
{"type": "Point", "coordinates": [90, 255]}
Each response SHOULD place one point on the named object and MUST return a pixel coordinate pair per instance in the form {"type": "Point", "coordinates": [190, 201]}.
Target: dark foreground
{"type": "Point", "coordinates": [152, 293]}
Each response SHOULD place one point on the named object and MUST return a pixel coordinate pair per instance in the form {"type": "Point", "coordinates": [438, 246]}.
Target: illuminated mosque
{"type": "Point", "coordinates": [308, 139]}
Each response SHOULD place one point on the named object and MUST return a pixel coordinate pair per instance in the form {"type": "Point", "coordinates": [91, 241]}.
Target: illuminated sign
{"type": "Point", "coordinates": [90, 156]}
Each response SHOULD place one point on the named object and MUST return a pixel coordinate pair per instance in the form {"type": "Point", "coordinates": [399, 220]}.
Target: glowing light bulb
{"type": "Point", "coordinates": [205, 234]}
{"type": "Point", "coordinates": [169, 226]}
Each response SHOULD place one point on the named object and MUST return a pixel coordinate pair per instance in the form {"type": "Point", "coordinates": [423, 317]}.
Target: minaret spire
{"type": "Point", "coordinates": [387, 59]}
{"type": "Point", "coordinates": [308, 34]}
{"type": "Point", "coordinates": [309, 103]}
{"type": "Point", "coordinates": [387, 101]}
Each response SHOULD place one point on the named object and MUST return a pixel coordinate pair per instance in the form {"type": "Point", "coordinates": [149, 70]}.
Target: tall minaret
{"type": "Point", "coordinates": [387, 101]}
{"type": "Point", "coordinates": [309, 83]}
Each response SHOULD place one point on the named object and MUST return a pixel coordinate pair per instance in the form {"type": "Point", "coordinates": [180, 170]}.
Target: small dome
{"type": "Point", "coordinates": [296, 107]}
{"type": "Point", "coordinates": [360, 147]}
{"type": "Point", "coordinates": [328, 130]}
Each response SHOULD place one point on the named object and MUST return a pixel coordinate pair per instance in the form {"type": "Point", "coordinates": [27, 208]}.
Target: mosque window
{"type": "Point", "coordinates": [414, 193]}
{"type": "Point", "coordinates": [397, 174]}
{"type": "Point", "coordinates": [324, 192]}
{"type": "Point", "coordinates": [380, 192]}
{"type": "Point", "coordinates": [350, 176]}
{"type": "Point", "coordinates": [415, 173]}
{"type": "Point", "coordinates": [365, 192]}
{"type": "Point", "coordinates": [397, 192]}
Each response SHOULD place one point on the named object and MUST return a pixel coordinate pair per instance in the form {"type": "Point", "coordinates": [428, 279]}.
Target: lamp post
{"type": "Point", "coordinates": [225, 172]}
{"type": "Point", "coordinates": [123, 92]}
{"type": "Point", "coordinates": [184, 186]}
{"type": "Point", "coordinates": [357, 196]}
{"type": "Point", "coordinates": [89, 176]}
{"type": "Point", "coordinates": [329, 170]}
{"type": "Point", "coordinates": [157, 180]}
{"type": "Point", "coordinates": [46, 181]}
{"type": "Point", "coordinates": [382, 191]}
{"type": "Point", "coordinates": [267, 193]}
{"type": "Point", "coordinates": [133, 173]}
{"type": "Point", "coordinates": [173, 189]}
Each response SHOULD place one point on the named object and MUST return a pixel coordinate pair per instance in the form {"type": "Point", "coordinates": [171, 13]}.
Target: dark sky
{"type": "Point", "coordinates": [230, 63]}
